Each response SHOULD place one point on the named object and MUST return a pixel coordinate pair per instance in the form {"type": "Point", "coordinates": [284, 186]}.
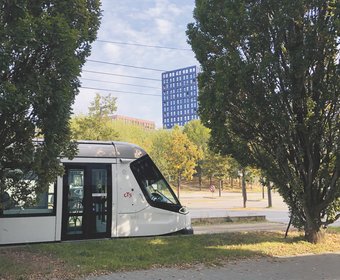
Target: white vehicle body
{"type": "Point", "coordinates": [110, 189]}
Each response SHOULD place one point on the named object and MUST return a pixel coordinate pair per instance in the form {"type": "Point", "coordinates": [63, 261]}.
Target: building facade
{"type": "Point", "coordinates": [128, 120]}
{"type": "Point", "coordinates": [179, 96]}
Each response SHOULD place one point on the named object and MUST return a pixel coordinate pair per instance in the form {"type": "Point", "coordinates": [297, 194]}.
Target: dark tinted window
{"type": "Point", "coordinates": [154, 186]}
{"type": "Point", "coordinates": [96, 150]}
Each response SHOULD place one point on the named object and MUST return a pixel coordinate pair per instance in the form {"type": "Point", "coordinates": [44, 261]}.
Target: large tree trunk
{"type": "Point", "coordinates": [313, 231]}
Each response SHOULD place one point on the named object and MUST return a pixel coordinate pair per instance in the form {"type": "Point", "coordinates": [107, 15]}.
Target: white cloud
{"type": "Point", "coordinates": [164, 8]}
{"type": "Point", "coordinates": [164, 26]}
{"type": "Point", "coordinates": [112, 52]}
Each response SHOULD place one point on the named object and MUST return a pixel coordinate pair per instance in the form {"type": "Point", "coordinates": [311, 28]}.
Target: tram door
{"type": "Point", "coordinates": [87, 201]}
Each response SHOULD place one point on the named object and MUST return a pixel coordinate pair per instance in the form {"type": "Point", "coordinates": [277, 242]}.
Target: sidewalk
{"type": "Point", "coordinates": [311, 267]}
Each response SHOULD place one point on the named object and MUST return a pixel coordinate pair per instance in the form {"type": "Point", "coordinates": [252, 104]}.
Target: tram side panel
{"type": "Point", "coordinates": [27, 230]}
{"type": "Point", "coordinates": [135, 216]}
{"type": "Point", "coordinates": [29, 226]}
{"type": "Point", "coordinates": [130, 200]}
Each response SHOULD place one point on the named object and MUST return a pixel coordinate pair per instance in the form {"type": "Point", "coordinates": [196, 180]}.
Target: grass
{"type": "Point", "coordinates": [70, 259]}
{"type": "Point", "coordinates": [334, 229]}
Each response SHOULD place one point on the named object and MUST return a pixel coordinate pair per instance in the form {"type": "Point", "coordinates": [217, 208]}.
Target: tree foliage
{"type": "Point", "coordinates": [182, 154]}
{"type": "Point", "coordinates": [269, 91]}
{"type": "Point", "coordinates": [179, 155]}
{"type": "Point", "coordinates": [159, 150]}
{"type": "Point", "coordinates": [199, 135]}
{"type": "Point", "coordinates": [216, 165]}
{"type": "Point", "coordinates": [103, 105]}
{"type": "Point", "coordinates": [98, 125]}
{"type": "Point", "coordinates": [133, 133]}
{"type": "Point", "coordinates": [43, 45]}
{"type": "Point", "coordinates": [93, 128]}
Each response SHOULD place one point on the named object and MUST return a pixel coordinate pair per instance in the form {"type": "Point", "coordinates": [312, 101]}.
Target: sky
{"type": "Point", "coordinates": [129, 23]}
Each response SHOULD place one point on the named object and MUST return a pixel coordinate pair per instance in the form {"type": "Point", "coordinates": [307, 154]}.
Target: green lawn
{"type": "Point", "coordinates": [68, 259]}
{"type": "Point", "coordinates": [334, 229]}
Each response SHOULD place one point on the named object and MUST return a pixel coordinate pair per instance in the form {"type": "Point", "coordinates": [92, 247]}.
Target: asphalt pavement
{"type": "Point", "coordinates": [311, 267]}
{"type": "Point", "coordinates": [204, 204]}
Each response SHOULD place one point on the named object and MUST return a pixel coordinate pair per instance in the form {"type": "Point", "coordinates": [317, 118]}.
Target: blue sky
{"type": "Point", "coordinates": [146, 22]}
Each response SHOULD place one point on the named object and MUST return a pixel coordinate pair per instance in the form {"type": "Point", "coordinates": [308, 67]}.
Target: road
{"type": "Point", "coordinates": [203, 204]}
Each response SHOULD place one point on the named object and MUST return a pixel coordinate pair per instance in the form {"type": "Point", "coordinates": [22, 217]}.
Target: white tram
{"type": "Point", "coordinates": [109, 189]}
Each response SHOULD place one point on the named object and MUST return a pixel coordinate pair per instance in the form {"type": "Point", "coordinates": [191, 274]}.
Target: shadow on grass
{"type": "Point", "coordinates": [142, 253]}
{"type": "Point", "coordinates": [23, 263]}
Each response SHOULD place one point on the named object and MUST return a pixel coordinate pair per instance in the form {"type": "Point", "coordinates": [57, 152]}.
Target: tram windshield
{"type": "Point", "coordinates": [152, 182]}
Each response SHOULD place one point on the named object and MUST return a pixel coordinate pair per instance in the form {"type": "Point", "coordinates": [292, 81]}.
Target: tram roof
{"type": "Point", "coordinates": [109, 149]}
{"type": "Point", "coordinates": [105, 149]}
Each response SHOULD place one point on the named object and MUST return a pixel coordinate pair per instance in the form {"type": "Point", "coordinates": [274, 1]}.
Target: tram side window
{"type": "Point", "coordinates": [23, 198]}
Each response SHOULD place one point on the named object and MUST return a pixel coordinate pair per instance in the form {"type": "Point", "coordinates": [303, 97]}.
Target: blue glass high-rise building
{"type": "Point", "coordinates": [179, 96]}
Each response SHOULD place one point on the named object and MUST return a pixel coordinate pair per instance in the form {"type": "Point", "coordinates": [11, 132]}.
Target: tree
{"type": "Point", "coordinates": [269, 92]}
{"type": "Point", "coordinates": [233, 171]}
{"type": "Point", "coordinates": [199, 135]}
{"type": "Point", "coordinates": [215, 165]}
{"type": "Point", "coordinates": [98, 125]}
{"type": "Point", "coordinates": [159, 150]}
{"type": "Point", "coordinates": [103, 106]}
{"type": "Point", "coordinates": [181, 156]}
{"type": "Point", "coordinates": [133, 133]}
{"type": "Point", "coordinates": [43, 46]}
{"type": "Point", "coordinates": [93, 128]}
